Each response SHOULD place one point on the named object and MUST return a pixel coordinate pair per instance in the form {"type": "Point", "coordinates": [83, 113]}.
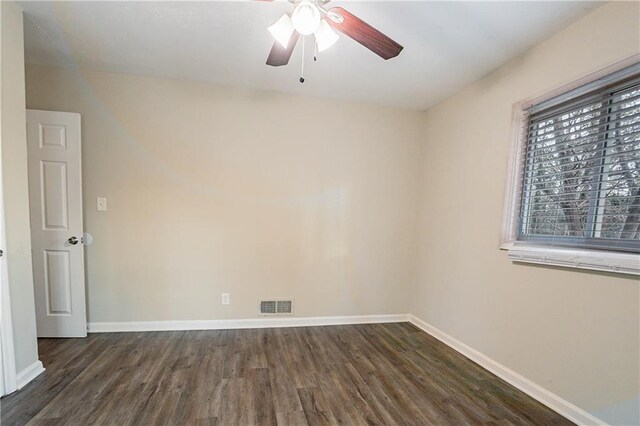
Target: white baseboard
{"type": "Point", "coordinates": [551, 400]}
{"type": "Point", "coordinates": [110, 327]}
{"type": "Point", "coordinates": [24, 377]}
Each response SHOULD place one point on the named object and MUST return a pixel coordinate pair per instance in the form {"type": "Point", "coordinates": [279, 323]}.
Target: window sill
{"type": "Point", "coordinates": [623, 263]}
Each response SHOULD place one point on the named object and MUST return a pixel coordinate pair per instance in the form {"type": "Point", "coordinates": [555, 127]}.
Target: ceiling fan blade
{"type": "Point", "coordinates": [279, 55]}
{"type": "Point", "coordinates": [364, 34]}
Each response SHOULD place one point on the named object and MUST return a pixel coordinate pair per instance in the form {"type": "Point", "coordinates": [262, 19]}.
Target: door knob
{"type": "Point", "coordinates": [73, 241]}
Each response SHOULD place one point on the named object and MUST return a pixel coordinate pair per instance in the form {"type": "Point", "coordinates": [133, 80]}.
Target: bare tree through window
{"type": "Point", "coordinates": [582, 170]}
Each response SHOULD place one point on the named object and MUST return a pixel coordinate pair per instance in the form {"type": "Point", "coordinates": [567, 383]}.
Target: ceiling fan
{"type": "Point", "coordinates": [310, 17]}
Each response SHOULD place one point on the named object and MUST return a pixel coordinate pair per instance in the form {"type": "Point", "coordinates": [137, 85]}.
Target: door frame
{"type": "Point", "coordinates": [7, 351]}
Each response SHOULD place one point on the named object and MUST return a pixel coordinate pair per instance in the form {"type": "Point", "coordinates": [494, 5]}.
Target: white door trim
{"type": "Point", "coordinates": [9, 381]}
{"type": "Point", "coordinates": [7, 350]}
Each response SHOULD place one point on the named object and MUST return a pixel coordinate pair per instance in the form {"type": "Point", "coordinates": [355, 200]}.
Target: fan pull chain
{"type": "Point", "coordinates": [302, 71]}
{"type": "Point", "coordinates": [315, 50]}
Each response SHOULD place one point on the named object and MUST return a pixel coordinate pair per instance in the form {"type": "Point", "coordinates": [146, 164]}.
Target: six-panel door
{"type": "Point", "coordinates": [55, 193]}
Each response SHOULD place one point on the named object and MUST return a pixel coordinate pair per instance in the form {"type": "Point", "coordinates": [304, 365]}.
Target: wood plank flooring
{"type": "Point", "coordinates": [382, 374]}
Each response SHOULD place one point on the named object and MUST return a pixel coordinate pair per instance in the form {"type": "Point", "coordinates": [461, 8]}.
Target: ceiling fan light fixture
{"type": "Point", "coordinates": [282, 30]}
{"type": "Point", "coordinates": [306, 17]}
{"type": "Point", "coordinates": [325, 36]}
{"type": "Point", "coordinates": [335, 17]}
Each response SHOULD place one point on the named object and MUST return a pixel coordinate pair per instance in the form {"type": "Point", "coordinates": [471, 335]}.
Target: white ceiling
{"type": "Point", "coordinates": [446, 44]}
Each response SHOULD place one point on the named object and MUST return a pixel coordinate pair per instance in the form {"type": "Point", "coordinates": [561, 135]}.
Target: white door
{"type": "Point", "coordinates": [55, 194]}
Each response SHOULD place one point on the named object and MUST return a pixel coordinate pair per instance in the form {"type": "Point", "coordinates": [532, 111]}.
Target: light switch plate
{"type": "Point", "coordinates": [101, 204]}
{"type": "Point", "coordinates": [225, 299]}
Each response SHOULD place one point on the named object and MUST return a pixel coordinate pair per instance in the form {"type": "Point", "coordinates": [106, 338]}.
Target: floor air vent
{"type": "Point", "coordinates": [276, 307]}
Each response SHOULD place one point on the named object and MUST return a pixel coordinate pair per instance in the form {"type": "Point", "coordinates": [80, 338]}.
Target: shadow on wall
{"type": "Point", "coordinates": [628, 409]}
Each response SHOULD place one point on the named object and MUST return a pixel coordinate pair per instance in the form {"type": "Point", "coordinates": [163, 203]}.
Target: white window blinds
{"type": "Point", "coordinates": [581, 182]}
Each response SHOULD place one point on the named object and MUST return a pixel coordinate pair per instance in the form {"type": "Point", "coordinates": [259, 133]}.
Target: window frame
{"type": "Point", "coordinates": [537, 250]}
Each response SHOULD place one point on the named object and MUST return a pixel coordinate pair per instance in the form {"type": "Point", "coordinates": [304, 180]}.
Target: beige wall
{"type": "Point", "coordinates": [257, 194]}
{"type": "Point", "coordinates": [13, 142]}
{"type": "Point", "coordinates": [574, 333]}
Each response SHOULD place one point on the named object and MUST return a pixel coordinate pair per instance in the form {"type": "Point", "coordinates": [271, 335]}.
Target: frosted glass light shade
{"type": "Point", "coordinates": [325, 36]}
{"type": "Point", "coordinates": [305, 17]}
{"type": "Point", "coordinates": [282, 30]}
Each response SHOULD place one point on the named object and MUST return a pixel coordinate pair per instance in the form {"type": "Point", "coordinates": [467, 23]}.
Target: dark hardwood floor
{"type": "Point", "coordinates": [358, 374]}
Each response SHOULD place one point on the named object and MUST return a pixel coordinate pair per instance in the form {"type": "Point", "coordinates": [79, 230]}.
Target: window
{"type": "Point", "coordinates": [578, 171]}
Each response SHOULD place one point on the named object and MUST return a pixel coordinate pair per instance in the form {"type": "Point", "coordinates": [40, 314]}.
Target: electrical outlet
{"type": "Point", "coordinates": [225, 299]}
